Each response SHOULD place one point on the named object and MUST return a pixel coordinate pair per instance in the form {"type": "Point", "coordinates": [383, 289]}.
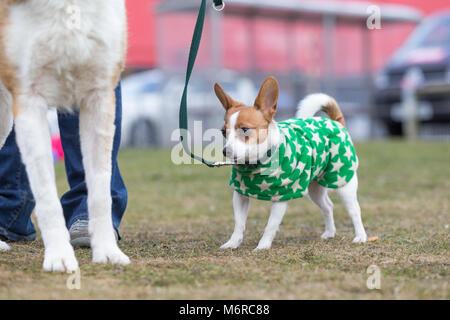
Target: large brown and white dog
{"type": "Point", "coordinates": [63, 53]}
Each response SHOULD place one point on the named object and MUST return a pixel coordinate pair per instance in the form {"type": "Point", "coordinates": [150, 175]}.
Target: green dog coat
{"type": "Point", "coordinates": [312, 149]}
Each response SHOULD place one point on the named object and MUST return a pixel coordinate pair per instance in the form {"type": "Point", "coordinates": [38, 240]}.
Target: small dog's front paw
{"type": "Point", "coordinates": [328, 234]}
{"type": "Point", "coordinates": [109, 254]}
{"type": "Point", "coordinates": [4, 246]}
{"type": "Point", "coordinates": [232, 244]}
{"type": "Point", "coordinates": [60, 258]}
{"type": "Point", "coordinates": [360, 238]}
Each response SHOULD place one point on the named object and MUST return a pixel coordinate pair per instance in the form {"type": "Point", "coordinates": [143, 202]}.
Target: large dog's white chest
{"type": "Point", "coordinates": [65, 48]}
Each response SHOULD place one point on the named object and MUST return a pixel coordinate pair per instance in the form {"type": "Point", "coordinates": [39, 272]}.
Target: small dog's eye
{"type": "Point", "coordinates": [224, 132]}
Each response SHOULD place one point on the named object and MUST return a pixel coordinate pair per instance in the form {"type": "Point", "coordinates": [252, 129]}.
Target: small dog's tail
{"type": "Point", "coordinates": [316, 102]}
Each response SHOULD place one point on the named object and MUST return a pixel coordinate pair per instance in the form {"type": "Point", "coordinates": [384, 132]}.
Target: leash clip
{"type": "Point", "coordinates": [218, 5]}
{"type": "Point", "coordinates": [223, 163]}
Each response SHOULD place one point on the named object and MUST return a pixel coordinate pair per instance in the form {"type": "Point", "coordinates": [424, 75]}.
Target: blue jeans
{"type": "Point", "coordinates": [16, 199]}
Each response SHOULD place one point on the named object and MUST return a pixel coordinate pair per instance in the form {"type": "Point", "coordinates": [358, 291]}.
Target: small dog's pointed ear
{"type": "Point", "coordinates": [225, 99]}
{"type": "Point", "coordinates": [267, 98]}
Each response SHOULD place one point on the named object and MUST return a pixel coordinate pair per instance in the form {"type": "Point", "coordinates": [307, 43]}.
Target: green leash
{"type": "Point", "coordinates": [183, 119]}
{"type": "Point", "coordinates": [219, 5]}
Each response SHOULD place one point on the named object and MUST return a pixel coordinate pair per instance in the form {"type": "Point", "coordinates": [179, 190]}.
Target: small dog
{"type": "Point", "coordinates": [64, 53]}
{"type": "Point", "coordinates": [287, 160]}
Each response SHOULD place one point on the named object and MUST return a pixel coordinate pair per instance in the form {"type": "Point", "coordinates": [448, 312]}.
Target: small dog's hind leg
{"type": "Point", "coordinates": [6, 114]}
{"type": "Point", "coordinates": [241, 206]}
{"type": "Point", "coordinates": [319, 195]}
{"type": "Point", "coordinates": [33, 139]}
{"type": "Point", "coordinates": [276, 216]}
{"type": "Point", "coordinates": [97, 114]}
{"type": "Point", "coordinates": [349, 197]}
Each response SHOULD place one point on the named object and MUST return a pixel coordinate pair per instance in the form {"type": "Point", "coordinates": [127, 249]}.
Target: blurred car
{"type": "Point", "coordinates": [141, 98]}
{"type": "Point", "coordinates": [151, 101]}
{"type": "Point", "coordinates": [426, 53]}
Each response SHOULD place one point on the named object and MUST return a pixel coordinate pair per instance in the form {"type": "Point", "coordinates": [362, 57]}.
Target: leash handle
{"type": "Point", "coordinates": [195, 44]}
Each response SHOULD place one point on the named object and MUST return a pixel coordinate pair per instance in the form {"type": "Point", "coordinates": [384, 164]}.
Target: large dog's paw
{"type": "Point", "coordinates": [109, 253]}
{"type": "Point", "coordinates": [233, 243]}
{"type": "Point", "coordinates": [360, 238]}
{"type": "Point", "coordinates": [60, 258]}
{"type": "Point", "coordinates": [328, 234]}
{"type": "Point", "coordinates": [4, 246]}
{"type": "Point", "coordinates": [263, 245]}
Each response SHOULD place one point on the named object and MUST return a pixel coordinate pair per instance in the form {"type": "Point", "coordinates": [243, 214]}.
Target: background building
{"type": "Point", "coordinates": [143, 38]}
{"type": "Point", "coordinates": [309, 45]}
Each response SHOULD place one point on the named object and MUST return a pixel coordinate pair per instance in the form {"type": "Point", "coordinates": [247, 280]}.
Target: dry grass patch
{"type": "Point", "coordinates": [179, 216]}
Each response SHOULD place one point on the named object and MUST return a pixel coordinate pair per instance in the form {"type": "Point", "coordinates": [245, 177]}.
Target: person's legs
{"type": "Point", "coordinates": [75, 200]}
{"type": "Point", "coordinates": [16, 199]}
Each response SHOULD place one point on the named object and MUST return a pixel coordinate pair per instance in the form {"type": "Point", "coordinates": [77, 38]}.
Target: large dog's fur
{"type": "Point", "coordinates": [63, 53]}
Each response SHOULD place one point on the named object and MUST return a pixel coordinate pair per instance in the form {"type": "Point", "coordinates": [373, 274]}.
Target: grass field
{"type": "Point", "coordinates": [178, 216]}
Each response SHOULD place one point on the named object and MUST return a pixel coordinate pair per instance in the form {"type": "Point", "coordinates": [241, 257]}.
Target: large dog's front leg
{"type": "Point", "coordinates": [33, 139]}
{"type": "Point", "coordinates": [97, 116]}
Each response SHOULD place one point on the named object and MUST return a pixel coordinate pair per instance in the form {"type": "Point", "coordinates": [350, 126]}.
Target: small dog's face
{"type": "Point", "coordinates": [248, 129]}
